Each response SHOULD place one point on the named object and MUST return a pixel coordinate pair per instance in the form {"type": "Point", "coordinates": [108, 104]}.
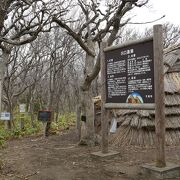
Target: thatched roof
{"type": "Point", "coordinates": [137, 127]}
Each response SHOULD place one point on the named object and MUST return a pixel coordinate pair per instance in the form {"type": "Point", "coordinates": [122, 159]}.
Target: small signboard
{"type": "Point", "coordinates": [22, 108]}
{"type": "Point", "coordinates": [44, 115]}
{"type": "Point", "coordinates": [130, 74]}
{"type": "Point", "coordinates": [5, 116]}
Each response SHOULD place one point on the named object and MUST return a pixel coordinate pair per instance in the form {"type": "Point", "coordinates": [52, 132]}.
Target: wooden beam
{"type": "Point", "coordinates": [129, 106]}
{"type": "Point", "coordinates": [159, 96]}
{"type": "Point", "coordinates": [104, 117]}
{"type": "Point", "coordinates": [128, 43]}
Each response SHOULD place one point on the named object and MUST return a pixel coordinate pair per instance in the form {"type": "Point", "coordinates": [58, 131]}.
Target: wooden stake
{"type": "Point", "coordinates": [78, 121]}
{"type": "Point", "coordinates": [45, 129]}
{"type": "Point", "coordinates": [104, 118]}
{"type": "Point", "coordinates": [159, 96]}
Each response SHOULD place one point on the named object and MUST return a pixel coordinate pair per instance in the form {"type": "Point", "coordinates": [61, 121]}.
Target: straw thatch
{"type": "Point", "coordinates": [137, 127]}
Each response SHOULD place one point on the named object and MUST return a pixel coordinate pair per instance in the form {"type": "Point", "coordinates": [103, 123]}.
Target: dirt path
{"type": "Point", "coordinates": [59, 158]}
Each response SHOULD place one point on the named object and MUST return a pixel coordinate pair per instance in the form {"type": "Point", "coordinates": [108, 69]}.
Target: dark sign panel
{"type": "Point", "coordinates": [44, 115]}
{"type": "Point", "coordinates": [130, 74]}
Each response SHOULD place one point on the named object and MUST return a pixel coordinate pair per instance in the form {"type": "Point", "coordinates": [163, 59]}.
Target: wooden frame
{"type": "Point", "coordinates": [159, 95]}
{"type": "Point", "coordinates": [112, 56]}
{"type": "Point", "coordinates": [129, 106]}
{"type": "Point", "coordinates": [128, 43]}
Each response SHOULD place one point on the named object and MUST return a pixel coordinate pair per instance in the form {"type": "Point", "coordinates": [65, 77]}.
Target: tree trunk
{"type": "Point", "coordinates": [50, 107]}
{"type": "Point", "coordinates": [31, 110]}
{"type": "Point", "coordinates": [5, 57]}
{"type": "Point", "coordinates": [9, 123]}
{"type": "Point", "coordinates": [89, 114]}
{"type": "Point", "coordinates": [1, 81]}
{"type": "Point", "coordinates": [48, 125]}
{"type": "Point", "coordinates": [87, 107]}
{"type": "Point", "coordinates": [57, 116]}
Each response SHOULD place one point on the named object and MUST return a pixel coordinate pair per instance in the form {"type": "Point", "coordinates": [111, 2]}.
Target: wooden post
{"type": "Point", "coordinates": [22, 119]}
{"type": "Point", "coordinates": [45, 129]}
{"type": "Point", "coordinates": [159, 96]}
{"type": "Point", "coordinates": [78, 121]}
{"type": "Point", "coordinates": [104, 118]}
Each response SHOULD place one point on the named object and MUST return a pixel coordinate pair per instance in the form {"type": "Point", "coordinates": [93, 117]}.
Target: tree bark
{"type": "Point", "coordinates": [1, 81]}
{"type": "Point", "coordinates": [3, 10]}
{"type": "Point", "coordinates": [86, 102]}
{"type": "Point", "coordinates": [9, 109]}
{"type": "Point", "coordinates": [5, 57]}
{"type": "Point", "coordinates": [31, 109]}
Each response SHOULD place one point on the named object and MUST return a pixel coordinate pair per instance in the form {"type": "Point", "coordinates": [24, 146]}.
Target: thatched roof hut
{"type": "Point", "coordinates": [137, 127]}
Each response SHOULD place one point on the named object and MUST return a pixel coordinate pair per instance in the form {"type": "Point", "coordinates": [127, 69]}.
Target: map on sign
{"type": "Point", "coordinates": [130, 74]}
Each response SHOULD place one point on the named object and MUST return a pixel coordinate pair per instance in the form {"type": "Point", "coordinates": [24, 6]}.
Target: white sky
{"type": "Point", "coordinates": [156, 9]}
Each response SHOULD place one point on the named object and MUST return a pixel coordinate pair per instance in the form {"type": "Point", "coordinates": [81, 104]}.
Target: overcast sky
{"type": "Point", "coordinates": [155, 10]}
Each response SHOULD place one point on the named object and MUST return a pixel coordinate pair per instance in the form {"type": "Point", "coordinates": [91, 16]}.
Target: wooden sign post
{"type": "Point", "coordinates": [132, 77]}
{"type": "Point", "coordinates": [159, 96]}
{"type": "Point", "coordinates": [104, 117]}
{"type": "Point", "coordinates": [78, 121]}
{"type": "Point", "coordinates": [46, 117]}
{"type": "Point", "coordinates": [22, 111]}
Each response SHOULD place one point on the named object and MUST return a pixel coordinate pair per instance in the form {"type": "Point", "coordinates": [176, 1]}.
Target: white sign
{"type": "Point", "coordinates": [5, 116]}
{"type": "Point", "coordinates": [114, 126]}
{"type": "Point", "coordinates": [22, 108]}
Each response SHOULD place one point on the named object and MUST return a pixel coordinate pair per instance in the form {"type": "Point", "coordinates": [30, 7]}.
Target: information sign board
{"type": "Point", "coordinates": [44, 115]}
{"type": "Point", "coordinates": [5, 116]}
{"type": "Point", "coordinates": [130, 74]}
{"type": "Point", "coordinates": [22, 108]}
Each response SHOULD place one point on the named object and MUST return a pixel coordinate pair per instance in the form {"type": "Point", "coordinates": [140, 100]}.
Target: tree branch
{"type": "Point", "coordinates": [75, 36]}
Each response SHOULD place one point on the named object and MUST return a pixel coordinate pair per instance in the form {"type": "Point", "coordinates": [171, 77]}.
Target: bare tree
{"type": "Point", "coordinates": [62, 51]}
{"type": "Point", "coordinates": [127, 34]}
{"type": "Point", "coordinates": [17, 78]}
{"type": "Point", "coordinates": [171, 34]}
{"type": "Point", "coordinates": [94, 26]}
{"type": "Point", "coordinates": [21, 21]}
